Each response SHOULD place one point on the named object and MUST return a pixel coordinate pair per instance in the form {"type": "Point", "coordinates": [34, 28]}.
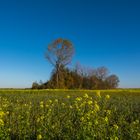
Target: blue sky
{"type": "Point", "coordinates": [104, 33]}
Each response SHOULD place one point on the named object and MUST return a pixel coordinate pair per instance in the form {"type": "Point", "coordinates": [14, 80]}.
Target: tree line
{"type": "Point", "coordinates": [59, 53]}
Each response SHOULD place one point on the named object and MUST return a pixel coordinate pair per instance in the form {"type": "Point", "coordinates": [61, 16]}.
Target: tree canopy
{"type": "Point", "coordinates": [60, 52]}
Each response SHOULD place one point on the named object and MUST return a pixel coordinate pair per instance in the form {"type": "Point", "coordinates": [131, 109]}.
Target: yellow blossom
{"type": "Point", "coordinates": [138, 134]}
{"type": "Point", "coordinates": [63, 104]}
{"type": "Point", "coordinates": [7, 112]}
{"type": "Point", "coordinates": [86, 96]}
{"type": "Point", "coordinates": [82, 118]}
{"type": "Point", "coordinates": [39, 137]}
{"type": "Point", "coordinates": [92, 112]}
{"type": "Point", "coordinates": [41, 105]}
{"type": "Point", "coordinates": [97, 108]}
{"type": "Point", "coordinates": [116, 126]}
{"type": "Point", "coordinates": [107, 96]}
{"type": "Point", "coordinates": [68, 96]}
{"type": "Point", "coordinates": [56, 100]}
{"type": "Point", "coordinates": [1, 122]}
{"type": "Point", "coordinates": [53, 126]}
{"type": "Point", "coordinates": [50, 101]}
{"type": "Point", "coordinates": [79, 109]}
{"type": "Point", "coordinates": [116, 138]}
{"type": "Point", "coordinates": [106, 119]}
{"type": "Point", "coordinates": [2, 113]}
{"type": "Point", "coordinates": [90, 102]}
{"type": "Point", "coordinates": [90, 123]}
{"type": "Point", "coordinates": [71, 107]}
{"type": "Point", "coordinates": [98, 94]}
{"type": "Point", "coordinates": [78, 99]}
{"type": "Point", "coordinates": [38, 120]}
{"type": "Point", "coordinates": [41, 102]}
{"type": "Point", "coordinates": [108, 112]}
{"type": "Point", "coordinates": [42, 117]}
{"type": "Point", "coordinates": [90, 98]}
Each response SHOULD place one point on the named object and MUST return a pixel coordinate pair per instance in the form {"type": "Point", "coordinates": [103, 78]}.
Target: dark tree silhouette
{"type": "Point", "coordinates": [59, 53]}
{"type": "Point", "coordinates": [112, 81]}
{"type": "Point", "coordinates": [102, 73]}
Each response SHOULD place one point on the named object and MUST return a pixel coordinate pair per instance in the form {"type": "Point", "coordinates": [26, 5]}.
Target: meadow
{"type": "Point", "coordinates": [70, 114]}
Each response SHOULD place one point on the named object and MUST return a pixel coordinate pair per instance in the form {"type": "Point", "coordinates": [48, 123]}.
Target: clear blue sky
{"type": "Point", "coordinates": [104, 33]}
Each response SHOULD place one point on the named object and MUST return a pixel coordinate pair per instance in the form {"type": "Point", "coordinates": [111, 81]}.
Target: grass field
{"type": "Point", "coordinates": [70, 114]}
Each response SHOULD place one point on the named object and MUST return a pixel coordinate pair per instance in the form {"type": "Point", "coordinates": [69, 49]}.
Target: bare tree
{"type": "Point", "coordinates": [59, 53]}
{"type": "Point", "coordinates": [112, 81]}
{"type": "Point", "coordinates": [102, 73]}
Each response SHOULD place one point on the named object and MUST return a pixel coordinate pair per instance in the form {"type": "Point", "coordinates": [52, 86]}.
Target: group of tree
{"type": "Point", "coordinates": [59, 54]}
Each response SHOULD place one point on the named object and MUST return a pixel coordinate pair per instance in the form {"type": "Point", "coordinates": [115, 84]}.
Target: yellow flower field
{"type": "Point", "coordinates": [69, 115]}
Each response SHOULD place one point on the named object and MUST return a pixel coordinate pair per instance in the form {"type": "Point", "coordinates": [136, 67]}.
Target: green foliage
{"type": "Point", "coordinates": [70, 114]}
